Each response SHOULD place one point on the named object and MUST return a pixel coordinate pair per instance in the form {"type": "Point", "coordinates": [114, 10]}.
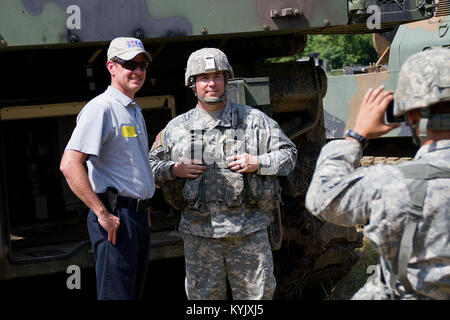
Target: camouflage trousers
{"type": "Point", "coordinates": [372, 290]}
{"type": "Point", "coordinates": [246, 261]}
{"type": "Point", "coordinates": [375, 289]}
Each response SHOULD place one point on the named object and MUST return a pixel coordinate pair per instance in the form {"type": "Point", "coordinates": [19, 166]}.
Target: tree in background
{"type": "Point", "coordinates": [342, 49]}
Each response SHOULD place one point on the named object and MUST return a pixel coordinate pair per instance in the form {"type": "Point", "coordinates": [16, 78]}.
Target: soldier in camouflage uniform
{"type": "Point", "coordinates": [219, 164]}
{"type": "Point", "coordinates": [405, 208]}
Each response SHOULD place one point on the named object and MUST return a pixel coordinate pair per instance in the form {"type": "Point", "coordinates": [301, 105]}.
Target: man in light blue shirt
{"type": "Point", "coordinates": [111, 137]}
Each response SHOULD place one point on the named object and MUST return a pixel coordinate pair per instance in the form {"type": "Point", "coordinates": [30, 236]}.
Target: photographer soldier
{"type": "Point", "coordinates": [405, 208]}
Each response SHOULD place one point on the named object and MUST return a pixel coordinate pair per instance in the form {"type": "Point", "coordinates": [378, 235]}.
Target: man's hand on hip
{"type": "Point", "coordinates": [110, 223]}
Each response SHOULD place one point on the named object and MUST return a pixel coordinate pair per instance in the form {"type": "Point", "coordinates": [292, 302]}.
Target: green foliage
{"type": "Point", "coordinates": [342, 49]}
{"type": "Point", "coordinates": [345, 288]}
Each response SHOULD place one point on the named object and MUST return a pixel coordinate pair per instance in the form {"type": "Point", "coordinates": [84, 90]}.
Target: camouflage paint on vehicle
{"type": "Point", "coordinates": [345, 92]}
{"type": "Point", "coordinates": [44, 22]}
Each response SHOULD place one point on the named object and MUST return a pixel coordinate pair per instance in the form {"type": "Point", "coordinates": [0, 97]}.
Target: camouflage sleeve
{"type": "Point", "coordinates": [159, 157]}
{"type": "Point", "coordinates": [278, 154]}
{"type": "Point", "coordinates": [340, 192]}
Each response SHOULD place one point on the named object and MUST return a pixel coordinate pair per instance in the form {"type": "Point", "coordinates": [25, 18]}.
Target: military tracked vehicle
{"type": "Point", "coordinates": [345, 92]}
{"type": "Point", "coordinates": [53, 55]}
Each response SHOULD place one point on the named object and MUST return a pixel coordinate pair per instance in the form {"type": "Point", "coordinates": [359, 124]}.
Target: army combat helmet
{"type": "Point", "coordinates": [424, 81]}
{"type": "Point", "coordinates": [207, 60]}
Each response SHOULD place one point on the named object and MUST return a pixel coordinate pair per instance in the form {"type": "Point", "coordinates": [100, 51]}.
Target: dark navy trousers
{"type": "Point", "coordinates": [121, 269]}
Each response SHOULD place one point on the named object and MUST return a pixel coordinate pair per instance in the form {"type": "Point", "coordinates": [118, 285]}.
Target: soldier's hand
{"type": "Point", "coordinates": [188, 169]}
{"type": "Point", "coordinates": [110, 223]}
{"type": "Point", "coordinates": [370, 119]}
{"type": "Point", "coordinates": [242, 163]}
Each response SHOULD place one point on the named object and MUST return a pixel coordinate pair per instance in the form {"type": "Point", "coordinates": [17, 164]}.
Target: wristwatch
{"type": "Point", "coordinates": [353, 134]}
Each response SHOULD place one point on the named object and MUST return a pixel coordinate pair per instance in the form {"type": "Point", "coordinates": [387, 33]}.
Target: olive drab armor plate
{"type": "Point", "coordinates": [345, 92]}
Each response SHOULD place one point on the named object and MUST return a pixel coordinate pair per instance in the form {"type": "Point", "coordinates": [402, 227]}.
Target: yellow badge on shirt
{"type": "Point", "coordinates": [128, 132]}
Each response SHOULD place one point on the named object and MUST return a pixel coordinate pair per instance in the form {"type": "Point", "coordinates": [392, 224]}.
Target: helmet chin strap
{"type": "Point", "coordinates": [415, 138]}
{"type": "Point", "coordinates": [212, 100]}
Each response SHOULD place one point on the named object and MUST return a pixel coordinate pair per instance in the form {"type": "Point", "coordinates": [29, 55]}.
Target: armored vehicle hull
{"type": "Point", "coordinates": [53, 61]}
{"type": "Point", "coordinates": [345, 92]}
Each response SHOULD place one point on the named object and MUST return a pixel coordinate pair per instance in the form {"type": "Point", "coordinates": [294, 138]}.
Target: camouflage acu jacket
{"type": "Point", "coordinates": [222, 202]}
{"type": "Point", "coordinates": [378, 198]}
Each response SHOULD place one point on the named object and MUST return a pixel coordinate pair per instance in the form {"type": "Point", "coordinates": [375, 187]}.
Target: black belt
{"type": "Point", "coordinates": [133, 204]}
{"type": "Point", "coordinates": [137, 205]}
